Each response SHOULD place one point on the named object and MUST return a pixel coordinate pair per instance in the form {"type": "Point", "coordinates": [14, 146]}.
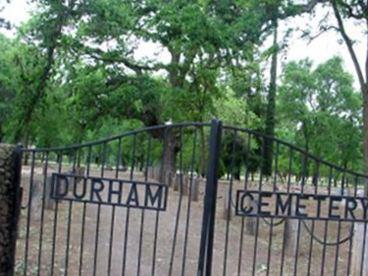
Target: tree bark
{"type": "Point", "coordinates": [365, 136]}
{"type": "Point", "coordinates": [271, 105]}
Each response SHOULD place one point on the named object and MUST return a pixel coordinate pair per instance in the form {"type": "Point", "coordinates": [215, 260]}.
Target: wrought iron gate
{"type": "Point", "coordinates": [189, 199]}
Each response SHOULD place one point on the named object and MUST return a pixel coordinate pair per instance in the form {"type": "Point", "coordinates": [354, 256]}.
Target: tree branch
{"type": "Point", "coordinates": [294, 10]}
{"type": "Point", "coordinates": [137, 68]}
{"type": "Point", "coordinates": [349, 44]}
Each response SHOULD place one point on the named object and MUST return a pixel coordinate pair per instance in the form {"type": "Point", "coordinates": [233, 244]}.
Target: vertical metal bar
{"type": "Point", "coordinates": [95, 256]}
{"type": "Point", "coordinates": [70, 210]}
{"type": "Point", "coordinates": [339, 231]}
{"type": "Point", "coordinates": [255, 248]}
{"type": "Point", "coordinates": [29, 214]}
{"type": "Point", "coordinates": [70, 216]}
{"type": "Point", "coordinates": [230, 191]}
{"type": "Point", "coordinates": [189, 202]}
{"type": "Point", "coordinates": [127, 217]}
{"type": "Point", "coordinates": [118, 160]}
{"type": "Point", "coordinates": [304, 182]}
{"type": "Point", "coordinates": [243, 218]}
{"type": "Point", "coordinates": [96, 239]}
{"type": "Point", "coordinates": [42, 212]}
{"type": "Point", "coordinates": [88, 161]}
{"type": "Point", "coordinates": [326, 225]}
{"type": "Point", "coordinates": [54, 231]}
{"type": "Point", "coordinates": [274, 189]}
{"type": "Point", "coordinates": [310, 255]}
{"type": "Point", "coordinates": [148, 160]}
{"type": "Point", "coordinates": [155, 237]}
{"type": "Point", "coordinates": [178, 212]}
{"type": "Point", "coordinates": [208, 221]}
{"type": "Point", "coordinates": [352, 229]}
{"type": "Point", "coordinates": [288, 190]}
{"type": "Point", "coordinates": [111, 240]}
{"type": "Point", "coordinates": [363, 249]}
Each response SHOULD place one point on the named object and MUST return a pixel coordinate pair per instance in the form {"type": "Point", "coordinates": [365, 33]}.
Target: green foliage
{"type": "Point", "coordinates": [75, 72]}
{"type": "Point", "coordinates": [320, 105]}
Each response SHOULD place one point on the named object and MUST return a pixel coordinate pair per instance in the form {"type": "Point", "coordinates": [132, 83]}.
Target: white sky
{"type": "Point", "coordinates": [319, 50]}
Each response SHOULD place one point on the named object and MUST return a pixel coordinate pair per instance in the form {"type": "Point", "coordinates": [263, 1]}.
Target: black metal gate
{"type": "Point", "coordinates": [189, 199]}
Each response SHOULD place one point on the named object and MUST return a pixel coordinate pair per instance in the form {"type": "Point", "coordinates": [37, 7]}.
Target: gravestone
{"type": "Point", "coordinates": [36, 198]}
{"type": "Point", "coordinates": [157, 173]}
{"type": "Point", "coordinates": [80, 172]}
{"type": "Point", "coordinates": [150, 172]}
{"type": "Point", "coordinates": [251, 222]}
{"type": "Point", "coordinates": [194, 195]}
{"type": "Point", "coordinates": [177, 182]}
{"type": "Point", "coordinates": [38, 193]}
{"type": "Point", "coordinates": [49, 202]}
{"type": "Point", "coordinates": [109, 167]}
{"type": "Point", "coordinates": [186, 184]}
{"type": "Point", "coordinates": [227, 206]}
{"type": "Point", "coordinates": [169, 178]}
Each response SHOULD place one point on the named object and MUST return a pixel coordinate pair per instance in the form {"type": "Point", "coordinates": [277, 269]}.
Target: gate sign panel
{"type": "Point", "coordinates": [301, 205]}
{"type": "Point", "coordinates": [109, 191]}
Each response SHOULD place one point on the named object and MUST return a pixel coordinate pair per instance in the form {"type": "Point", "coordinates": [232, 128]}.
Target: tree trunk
{"type": "Point", "coordinates": [170, 150]}
{"type": "Point", "coordinates": [271, 103]}
{"type": "Point", "coordinates": [1, 133]}
{"type": "Point", "coordinates": [202, 162]}
{"type": "Point", "coordinates": [365, 136]}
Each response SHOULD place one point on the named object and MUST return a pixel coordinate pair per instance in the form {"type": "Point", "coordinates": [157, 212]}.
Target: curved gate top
{"type": "Point", "coordinates": [189, 199]}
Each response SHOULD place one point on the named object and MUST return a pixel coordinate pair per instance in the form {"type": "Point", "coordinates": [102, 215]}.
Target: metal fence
{"type": "Point", "coordinates": [189, 199]}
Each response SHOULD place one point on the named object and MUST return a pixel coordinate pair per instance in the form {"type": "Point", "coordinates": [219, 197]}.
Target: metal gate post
{"type": "Point", "coordinates": [10, 196]}
{"type": "Point", "coordinates": [209, 211]}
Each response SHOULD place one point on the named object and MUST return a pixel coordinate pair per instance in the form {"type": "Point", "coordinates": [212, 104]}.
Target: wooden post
{"type": "Point", "coordinates": [10, 201]}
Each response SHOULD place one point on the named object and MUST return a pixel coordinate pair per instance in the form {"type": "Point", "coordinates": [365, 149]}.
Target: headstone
{"type": "Point", "coordinates": [122, 168]}
{"type": "Point", "coordinates": [194, 195]}
{"type": "Point", "coordinates": [78, 173]}
{"type": "Point", "coordinates": [108, 167]}
{"type": "Point", "coordinates": [36, 198]}
{"type": "Point", "coordinates": [49, 202]}
{"type": "Point", "coordinates": [150, 172]}
{"type": "Point", "coordinates": [177, 181]}
{"type": "Point", "coordinates": [227, 206]}
{"type": "Point", "coordinates": [186, 184]}
{"type": "Point", "coordinates": [169, 178]}
{"type": "Point", "coordinates": [157, 173]}
{"type": "Point", "coordinates": [341, 191]}
{"type": "Point", "coordinates": [251, 222]}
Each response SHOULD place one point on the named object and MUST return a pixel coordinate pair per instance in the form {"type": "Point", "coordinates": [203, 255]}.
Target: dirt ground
{"type": "Point", "coordinates": [128, 241]}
